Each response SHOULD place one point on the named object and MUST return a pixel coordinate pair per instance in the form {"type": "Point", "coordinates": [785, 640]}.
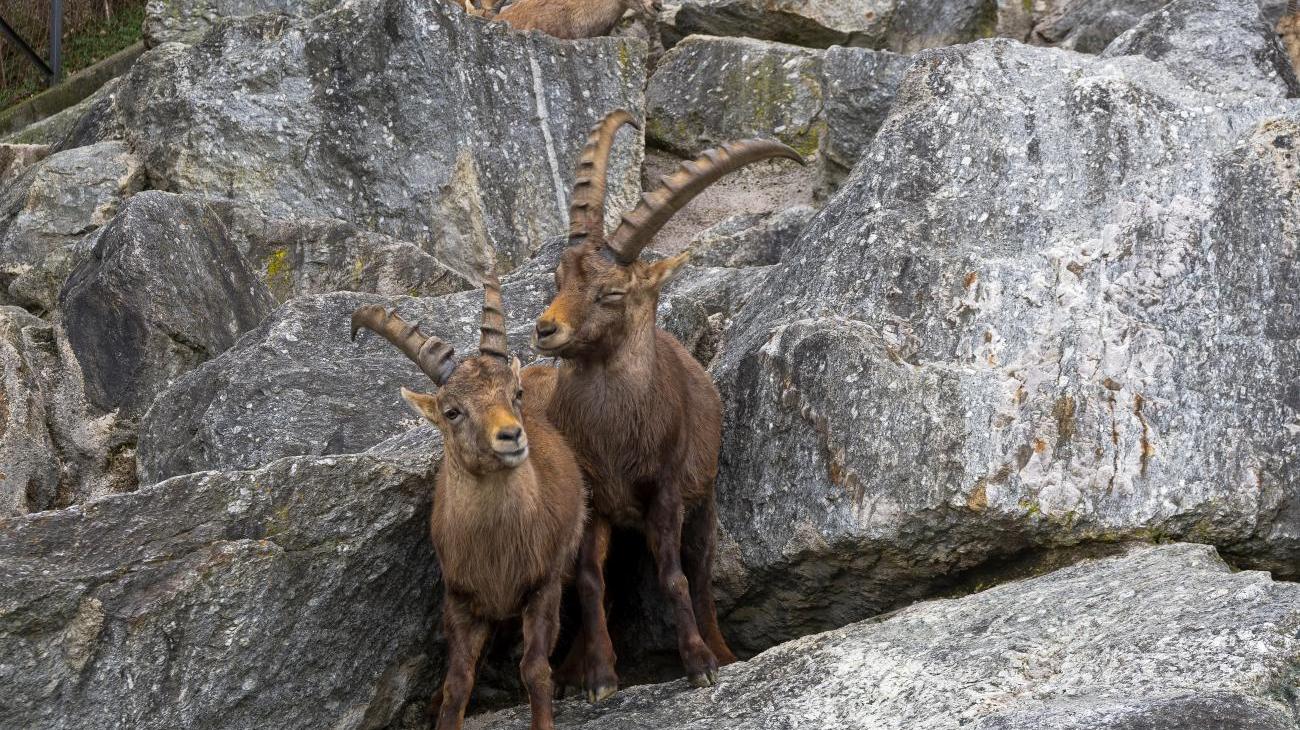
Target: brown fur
{"type": "Point", "coordinates": [642, 415]}
{"type": "Point", "coordinates": [508, 507]}
{"type": "Point", "coordinates": [573, 19]}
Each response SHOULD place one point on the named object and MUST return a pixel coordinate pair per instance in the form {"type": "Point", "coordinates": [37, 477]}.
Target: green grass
{"type": "Point", "coordinates": [84, 48]}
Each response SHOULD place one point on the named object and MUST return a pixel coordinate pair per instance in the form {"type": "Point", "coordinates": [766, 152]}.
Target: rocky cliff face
{"type": "Point", "coordinates": [1027, 304]}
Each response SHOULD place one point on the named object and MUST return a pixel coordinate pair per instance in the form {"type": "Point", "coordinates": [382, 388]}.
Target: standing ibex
{"type": "Point", "coordinates": [509, 502]}
{"type": "Point", "coordinates": [639, 411]}
{"type": "Point", "coordinates": [569, 19]}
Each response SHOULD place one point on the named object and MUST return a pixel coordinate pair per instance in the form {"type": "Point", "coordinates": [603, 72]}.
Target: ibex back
{"type": "Point", "coordinates": [639, 411]}
{"type": "Point", "coordinates": [509, 502]}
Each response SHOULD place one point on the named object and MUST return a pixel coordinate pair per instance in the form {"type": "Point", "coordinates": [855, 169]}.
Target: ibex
{"type": "Point", "coordinates": [569, 19]}
{"type": "Point", "coordinates": [638, 410]}
{"type": "Point", "coordinates": [509, 502]}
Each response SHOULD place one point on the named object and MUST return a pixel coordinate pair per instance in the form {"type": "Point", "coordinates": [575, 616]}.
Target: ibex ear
{"type": "Point", "coordinates": [658, 273]}
{"type": "Point", "coordinates": [515, 365]}
{"type": "Point", "coordinates": [422, 403]}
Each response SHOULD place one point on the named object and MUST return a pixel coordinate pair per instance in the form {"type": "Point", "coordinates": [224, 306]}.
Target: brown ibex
{"type": "Point", "coordinates": [509, 502]}
{"type": "Point", "coordinates": [572, 19]}
{"type": "Point", "coordinates": [641, 414]}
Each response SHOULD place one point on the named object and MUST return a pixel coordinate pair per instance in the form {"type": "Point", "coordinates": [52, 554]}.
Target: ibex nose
{"type": "Point", "coordinates": [510, 433]}
{"type": "Point", "coordinates": [545, 328]}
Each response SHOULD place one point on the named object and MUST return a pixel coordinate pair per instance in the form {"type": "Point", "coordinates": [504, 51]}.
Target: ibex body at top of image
{"type": "Point", "coordinates": [570, 19]}
{"type": "Point", "coordinates": [641, 414]}
{"type": "Point", "coordinates": [509, 503]}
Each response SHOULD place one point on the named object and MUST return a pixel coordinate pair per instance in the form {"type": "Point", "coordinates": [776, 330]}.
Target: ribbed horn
{"type": "Point", "coordinates": [682, 185]}
{"type": "Point", "coordinates": [434, 356]}
{"type": "Point", "coordinates": [492, 340]}
{"type": "Point", "coordinates": [587, 206]}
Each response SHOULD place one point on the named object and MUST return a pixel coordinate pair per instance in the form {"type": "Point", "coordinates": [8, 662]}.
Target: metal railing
{"type": "Point", "coordinates": [53, 70]}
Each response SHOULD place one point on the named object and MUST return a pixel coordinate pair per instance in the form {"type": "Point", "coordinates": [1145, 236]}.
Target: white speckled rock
{"type": "Point", "coordinates": [301, 595]}
{"type": "Point", "coordinates": [1056, 302]}
{"type": "Point", "coordinates": [1162, 638]}
{"type": "Point", "coordinates": [404, 117]}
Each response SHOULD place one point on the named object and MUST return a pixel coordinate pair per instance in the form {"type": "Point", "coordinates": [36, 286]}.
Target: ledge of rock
{"type": "Point", "coordinates": [1161, 637]}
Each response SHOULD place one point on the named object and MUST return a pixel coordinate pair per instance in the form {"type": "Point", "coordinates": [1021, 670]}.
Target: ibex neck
{"type": "Point", "coordinates": [634, 359]}
{"type": "Point", "coordinates": [518, 482]}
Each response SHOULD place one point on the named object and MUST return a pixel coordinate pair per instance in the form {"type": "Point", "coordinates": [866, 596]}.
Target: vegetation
{"type": "Point", "coordinates": [84, 44]}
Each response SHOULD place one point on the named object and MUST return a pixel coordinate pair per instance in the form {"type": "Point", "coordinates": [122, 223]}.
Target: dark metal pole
{"type": "Point", "coordinates": [56, 41]}
{"type": "Point", "coordinates": [17, 40]}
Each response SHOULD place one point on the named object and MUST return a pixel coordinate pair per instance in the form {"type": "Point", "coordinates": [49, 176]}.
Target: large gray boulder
{"type": "Point", "coordinates": [405, 117]}
{"type": "Point", "coordinates": [899, 25]}
{"type": "Point", "coordinates": [825, 104]}
{"type": "Point", "coordinates": [1054, 303]}
{"type": "Point", "coordinates": [301, 595]}
{"type": "Point", "coordinates": [50, 207]}
{"type": "Point", "coordinates": [707, 90]}
{"type": "Point", "coordinates": [1090, 25]}
{"type": "Point", "coordinates": [29, 476]}
{"type": "Point", "coordinates": [162, 291]}
{"type": "Point", "coordinates": [1161, 637]}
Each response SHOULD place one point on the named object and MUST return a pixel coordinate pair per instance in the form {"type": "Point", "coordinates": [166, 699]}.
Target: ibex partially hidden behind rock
{"type": "Point", "coordinates": [508, 506]}
{"type": "Point", "coordinates": [567, 18]}
{"type": "Point", "coordinates": [639, 411]}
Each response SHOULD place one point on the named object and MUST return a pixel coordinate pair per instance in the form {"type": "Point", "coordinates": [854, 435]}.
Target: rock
{"type": "Point", "coordinates": [301, 595]}
{"type": "Point", "coordinates": [858, 87]}
{"type": "Point", "coordinates": [14, 158]}
{"type": "Point", "coordinates": [750, 240]}
{"type": "Point", "coordinates": [403, 117]}
{"type": "Point", "coordinates": [825, 104]}
{"type": "Point", "coordinates": [1104, 644]}
{"type": "Point", "coordinates": [298, 257]}
{"type": "Point", "coordinates": [1089, 26]}
{"type": "Point", "coordinates": [758, 189]}
{"type": "Point", "coordinates": [53, 205]}
{"type": "Point", "coordinates": [86, 115]}
{"type": "Point", "coordinates": [707, 91]}
{"type": "Point", "coordinates": [29, 478]}
{"type": "Point", "coordinates": [993, 339]}
{"type": "Point", "coordinates": [297, 385]}
{"type": "Point", "coordinates": [898, 25]}
{"type": "Point", "coordinates": [162, 292]}
{"type": "Point", "coordinates": [187, 21]}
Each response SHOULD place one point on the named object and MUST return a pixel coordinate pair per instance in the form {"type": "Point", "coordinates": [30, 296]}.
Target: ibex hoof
{"type": "Point", "coordinates": [601, 693]}
{"type": "Point", "coordinates": [704, 679]}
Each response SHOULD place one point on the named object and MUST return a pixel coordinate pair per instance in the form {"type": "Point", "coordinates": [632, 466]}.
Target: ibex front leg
{"type": "Point", "coordinates": [466, 635]}
{"type": "Point", "coordinates": [541, 628]}
{"type": "Point", "coordinates": [664, 534]}
{"type": "Point", "coordinates": [599, 676]}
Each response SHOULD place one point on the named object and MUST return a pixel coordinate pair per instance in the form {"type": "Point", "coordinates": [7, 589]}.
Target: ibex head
{"type": "Point", "coordinates": [479, 403]}
{"type": "Point", "coordinates": [603, 290]}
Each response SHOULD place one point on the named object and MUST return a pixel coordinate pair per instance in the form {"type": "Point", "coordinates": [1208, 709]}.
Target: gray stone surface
{"type": "Point", "coordinates": [1035, 315]}
{"type": "Point", "coordinates": [858, 87]}
{"type": "Point", "coordinates": [50, 207]}
{"type": "Point", "coordinates": [187, 21]}
{"type": "Point", "coordinates": [1163, 637]}
{"type": "Point", "coordinates": [162, 291]}
{"type": "Point", "coordinates": [826, 104]}
{"type": "Point", "coordinates": [298, 257]}
{"type": "Point", "coordinates": [899, 25]}
{"type": "Point", "coordinates": [708, 90]}
{"type": "Point", "coordinates": [1090, 25]}
{"type": "Point", "coordinates": [301, 595]}
{"type": "Point", "coordinates": [29, 476]}
{"type": "Point", "coordinates": [404, 117]}
{"type": "Point", "coordinates": [14, 158]}
{"type": "Point", "coordinates": [750, 240]}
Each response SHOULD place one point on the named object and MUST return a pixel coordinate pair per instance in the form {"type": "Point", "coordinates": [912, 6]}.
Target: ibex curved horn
{"type": "Point", "coordinates": [682, 185]}
{"type": "Point", "coordinates": [587, 206]}
{"type": "Point", "coordinates": [492, 337]}
{"type": "Point", "coordinates": [434, 356]}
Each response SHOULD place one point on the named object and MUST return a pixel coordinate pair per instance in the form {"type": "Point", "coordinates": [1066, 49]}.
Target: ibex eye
{"type": "Point", "coordinates": [451, 414]}
{"type": "Point", "coordinates": [519, 394]}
